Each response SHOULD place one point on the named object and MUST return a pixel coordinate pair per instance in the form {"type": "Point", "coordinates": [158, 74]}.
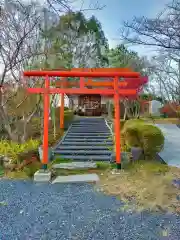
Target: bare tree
{"type": "Point", "coordinates": [161, 33]}
{"type": "Point", "coordinates": [165, 79]}
{"type": "Point", "coordinates": [21, 46]}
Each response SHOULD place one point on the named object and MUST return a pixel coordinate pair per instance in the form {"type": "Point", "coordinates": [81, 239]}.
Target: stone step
{"type": "Point", "coordinates": [88, 134]}
{"type": "Point", "coordinates": [86, 137]}
{"type": "Point", "coordinates": [85, 131]}
{"type": "Point", "coordinates": [89, 143]}
{"type": "Point", "coordinates": [89, 178]}
{"type": "Point", "coordinates": [82, 152]}
{"type": "Point", "coordinates": [102, 128]}
{"type": "Point", "coordinates": [81, 147]}
{"type": "Point", "coordinates": [75, 165]}
{"type": "Point", "coordinates": [90, 129]}
{"type": "Point", "coordinates": [84, 157]}
{"type": "Point", "coordinates": [75, 139]}
{"type": "Point", "coordinates": [90, 125]}
{"type": "Point", "coordinates": [89, 120]}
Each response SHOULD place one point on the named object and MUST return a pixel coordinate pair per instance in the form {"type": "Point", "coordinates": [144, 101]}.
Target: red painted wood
{"type": "Point", "coordinates": [117, 122]}
{"type": "Point", "coordinates": [80, 74]}
{"type": "Point", "coordinates": [46, 120]}
{"type": "Point", "coordinates": [84, 91]}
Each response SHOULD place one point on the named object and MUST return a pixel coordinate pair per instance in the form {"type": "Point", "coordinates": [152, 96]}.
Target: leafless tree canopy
{"type": "Point", "coordinates": [161, 33]}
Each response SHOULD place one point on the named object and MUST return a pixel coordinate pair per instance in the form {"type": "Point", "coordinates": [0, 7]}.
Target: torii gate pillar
{"type": "Point", "coordinates": [117, 124]}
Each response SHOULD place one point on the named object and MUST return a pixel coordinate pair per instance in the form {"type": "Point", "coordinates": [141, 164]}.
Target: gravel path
{"type": "Point", "coordinates": [74, 212]}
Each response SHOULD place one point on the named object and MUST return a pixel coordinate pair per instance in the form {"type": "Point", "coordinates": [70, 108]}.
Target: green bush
{"type": "Point", "coordinates": [138, 133]}
{"type": "Point", "coordinates": [122, 122]}
{"type": "Point", "coordinates": [28, 154]}
{"type": "Point", "coordinates": [133, 122]}
{"type": "Point", "coordinates": [12, 149]}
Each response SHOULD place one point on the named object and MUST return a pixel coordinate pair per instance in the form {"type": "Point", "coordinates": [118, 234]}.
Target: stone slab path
{"type": "Point", "coordinates": [78, 178]}
{"type": "Point", "coordinates": [171, 151]}
{"type": "Point", "coordinates": [75, 165]}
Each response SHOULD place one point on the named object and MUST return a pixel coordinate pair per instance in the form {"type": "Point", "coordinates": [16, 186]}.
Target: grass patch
{"type": "Point", "coordinates": [26, 173]}
{"type": "Point", "coordinates": [1, 171]}
{"type": "Point", "coordinates": [105, 165]}
{"type": "Point", "coordinates": [102, 167]}
{"type": "Point", "coordinates": [163, 120]}
{"type": "Point", "coordinates": [65, 172]}
{"type": "Point", "coordinates": [16, 175]}
{"type": "Point", "coordinates": [144, 185]}
{"type": "Point", "coordinates": [60, 160]}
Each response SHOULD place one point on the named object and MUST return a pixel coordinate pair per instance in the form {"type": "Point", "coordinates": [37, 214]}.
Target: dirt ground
{"type": "Point", "coordinates": [144, 185]}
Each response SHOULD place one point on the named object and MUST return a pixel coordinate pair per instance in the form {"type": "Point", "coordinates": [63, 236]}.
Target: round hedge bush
{"type": "Point", "coordinates": [137, 133]}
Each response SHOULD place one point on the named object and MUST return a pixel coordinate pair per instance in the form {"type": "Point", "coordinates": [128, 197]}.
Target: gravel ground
{"type": "Point", "coordinates": [74, 212]}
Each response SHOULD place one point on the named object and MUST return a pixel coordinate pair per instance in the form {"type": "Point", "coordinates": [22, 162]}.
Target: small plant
{"type": "Point", "coordinates": [103, 165]}
{"type": "Point", "coordinates": [61, 160]}
{"type": "Point", "coordinates": [31, 169]}
{"type": "Point", "coordinates": [12, 150]}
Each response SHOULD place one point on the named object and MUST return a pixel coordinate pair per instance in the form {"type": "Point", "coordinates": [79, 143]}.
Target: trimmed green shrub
{"type": "Point", "coordinates": [122, 122]}
{"type": "Point", "coordinates": [133, 122]}
{"type": "Point", "coordinates": [138, 133]}
{"type": "Point", "coordinates": [152, 139]}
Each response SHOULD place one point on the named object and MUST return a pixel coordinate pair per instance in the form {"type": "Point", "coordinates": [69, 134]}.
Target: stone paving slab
{"type": "Point", "coordinates": [82, 178]}
{"type": "Point", "coordinates": [42, 176]}
{"type": "Point", "coordinates": [171, 152]}
{"type": "Point", "coordinates": [75, 165]}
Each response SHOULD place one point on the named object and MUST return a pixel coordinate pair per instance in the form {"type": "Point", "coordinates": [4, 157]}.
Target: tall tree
{"type": "Point", "coordinates": [121, 57]}
{"type": "Point", "coordinates": [78, 41]}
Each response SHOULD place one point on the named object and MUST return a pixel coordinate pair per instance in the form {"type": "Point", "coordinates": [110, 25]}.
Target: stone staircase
{"type": "Point", "coordinates": [87, 139]}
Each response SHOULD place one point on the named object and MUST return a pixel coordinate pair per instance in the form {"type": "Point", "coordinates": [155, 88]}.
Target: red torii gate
{"type": "Point", "coordinates": [129, 87]}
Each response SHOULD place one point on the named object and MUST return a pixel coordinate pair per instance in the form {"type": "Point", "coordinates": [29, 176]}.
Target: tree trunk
{"type": "Point", "coordinates": [125, 113]}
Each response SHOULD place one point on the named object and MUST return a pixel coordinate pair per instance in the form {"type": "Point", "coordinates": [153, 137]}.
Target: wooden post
{"type": "Point", "coordinates": [62, 112]}
{"type": "Point", "coordinates": [81, 82]}
{"type": "Point", "coordinates": [117, 123]}
{"type": "Point", "coordinates": [46, 123]}
{"type": "Point", "coordinates": [62, 106]}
